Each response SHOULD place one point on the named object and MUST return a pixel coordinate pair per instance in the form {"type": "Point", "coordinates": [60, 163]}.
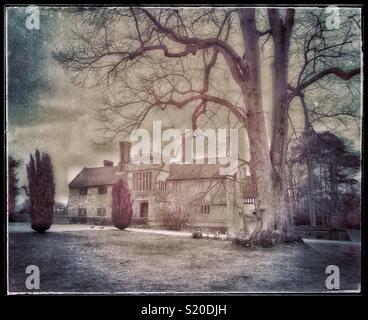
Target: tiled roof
{"type": "Point", "coordinates": [90, 177]}
{"type": "Point", "coordinates": [98, 176]}
{"type": "Point", "coordinates": [194, 171]}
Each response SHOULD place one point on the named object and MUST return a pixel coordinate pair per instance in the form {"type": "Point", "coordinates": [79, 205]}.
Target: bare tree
{"type": "Point", "coordinates": [338, 100]}
{"type": "Point", "coordinates": [175, 58]}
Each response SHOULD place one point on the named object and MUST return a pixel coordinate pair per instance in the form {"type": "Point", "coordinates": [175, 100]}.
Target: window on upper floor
{"type": "Point", "coordinates": [205, 209]}
{"type": "Point", "coordinates": [102, 190]}
{"type": "Point", "coordinates": [83, 191]}
{"type": "Point", "coordinates": [176, 186]}
{"type": "Point", "coordinates": [142, 181]}
{"type": "Point", "coordinates": [162, 185]}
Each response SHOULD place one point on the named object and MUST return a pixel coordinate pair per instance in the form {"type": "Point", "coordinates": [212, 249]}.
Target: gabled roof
{"type": "Point", "coordinates": [99, 176]}
{"type": "Point", "coordinates": [92, 177]}
{"type": "Point", "coordinates": [194, 171]}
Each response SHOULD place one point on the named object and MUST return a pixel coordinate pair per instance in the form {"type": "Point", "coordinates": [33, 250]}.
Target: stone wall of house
{"type": "Point", "coordinates": [92, 201]}
{"type": "Point", "coordinates": [214, 194]}
{"type": "Point", "coordinates": [216, 218]}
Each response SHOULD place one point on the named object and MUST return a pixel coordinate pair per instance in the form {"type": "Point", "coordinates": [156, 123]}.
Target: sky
{"type": "Point", "coordinates": [47, 112]}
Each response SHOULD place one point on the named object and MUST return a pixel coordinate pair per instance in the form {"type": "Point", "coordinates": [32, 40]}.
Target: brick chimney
{"type": "Point", "coordinates": [124, 156]}
{"type": "Point", "coordinates": [107, 163]}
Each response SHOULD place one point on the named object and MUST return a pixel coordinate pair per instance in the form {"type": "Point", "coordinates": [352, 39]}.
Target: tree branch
{"type": "Point", "coordinates": [345, 75]}
{"type": "Point", "coordinates": [221, 45]}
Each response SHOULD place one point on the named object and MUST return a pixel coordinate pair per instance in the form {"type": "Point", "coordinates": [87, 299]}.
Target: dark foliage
{"type": "Point", "coordinates": [122, 205]}
{"type": "Point", "coordinates": [41, 191]}
{"type": "Point", "coordinates": [13, 189]}
{"type": "Point", "coordinates": [197, 235]}
{"type": "Point", "coordinates": [267, 239]}
{"type": "Point", "coordinates": [334, 170]}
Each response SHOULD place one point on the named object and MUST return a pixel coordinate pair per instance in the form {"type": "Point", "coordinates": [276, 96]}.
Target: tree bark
{"type": "Point", "coordinates": [292, 189]}
{"type": "Point", "coordinates": [281, 32]}
{"type": "Point", "coordinates": [332, 171]}
{"type": "Point", "coordinates": [260, 162]}
{"type": "Point", "coordinates": [308, 134]}
{"type": "Point", "coordinates": [312, 213]}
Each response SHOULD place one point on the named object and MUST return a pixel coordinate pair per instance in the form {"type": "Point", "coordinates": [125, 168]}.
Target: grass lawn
{"type": "Point", "coordinates": [126, 261]}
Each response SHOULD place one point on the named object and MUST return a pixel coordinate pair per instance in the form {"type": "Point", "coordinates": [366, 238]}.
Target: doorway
{"type": "Point", "coordinates": [143, 213]}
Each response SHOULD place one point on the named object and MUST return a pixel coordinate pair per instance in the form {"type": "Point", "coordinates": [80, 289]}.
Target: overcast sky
{"type": "Point", "coordinates": [45, 110]}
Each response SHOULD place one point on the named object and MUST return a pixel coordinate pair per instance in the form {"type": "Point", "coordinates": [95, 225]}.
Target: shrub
{"type": "Point", "coordinates": [173, 217]}
{"type": "Point", "coordinates": [266, 239]}
{"type": "Point", "coordinates": [216, 235]}
{"type": "Point", "coordinates": [122, 205]}
{"type": "Point", "coordinates": [41, 191]}
{"type": "Point", "coordinates": [197, 235]}
{"type": "Point", "coordinates": [301, 219]}
{"type": "Point", "coordinates": [172, 220]}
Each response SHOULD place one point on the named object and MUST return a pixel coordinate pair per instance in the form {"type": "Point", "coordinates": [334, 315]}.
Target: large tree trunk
{"type": "Point", "coordinates": [281, 31]}
{"type": "Point", "coordinates": [267, 166]}
{"type": "Point", "coordinates": [260, 162]}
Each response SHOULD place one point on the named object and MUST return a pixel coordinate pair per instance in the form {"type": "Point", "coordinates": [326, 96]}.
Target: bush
{"type": "Point", "coordinates": [122, 205]}
{"type": "Point", "coordinates": [197, 235]}
{"type": "Point", "coordinates": [301, 219]}
{"type": "Point", "coordinates": [216, 235]}
{"type": "Point", "coordinates": [41, 191]}
{"type": "Point", "coordinates": [266, 239]}
{"type": "Point", "coordinates": [241, 241]}
{"type": "Point", "coordinates": [173, 217]}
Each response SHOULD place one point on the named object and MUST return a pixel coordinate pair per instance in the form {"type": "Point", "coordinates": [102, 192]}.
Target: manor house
{"type": "Point", "coordinates": [197, 191]}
